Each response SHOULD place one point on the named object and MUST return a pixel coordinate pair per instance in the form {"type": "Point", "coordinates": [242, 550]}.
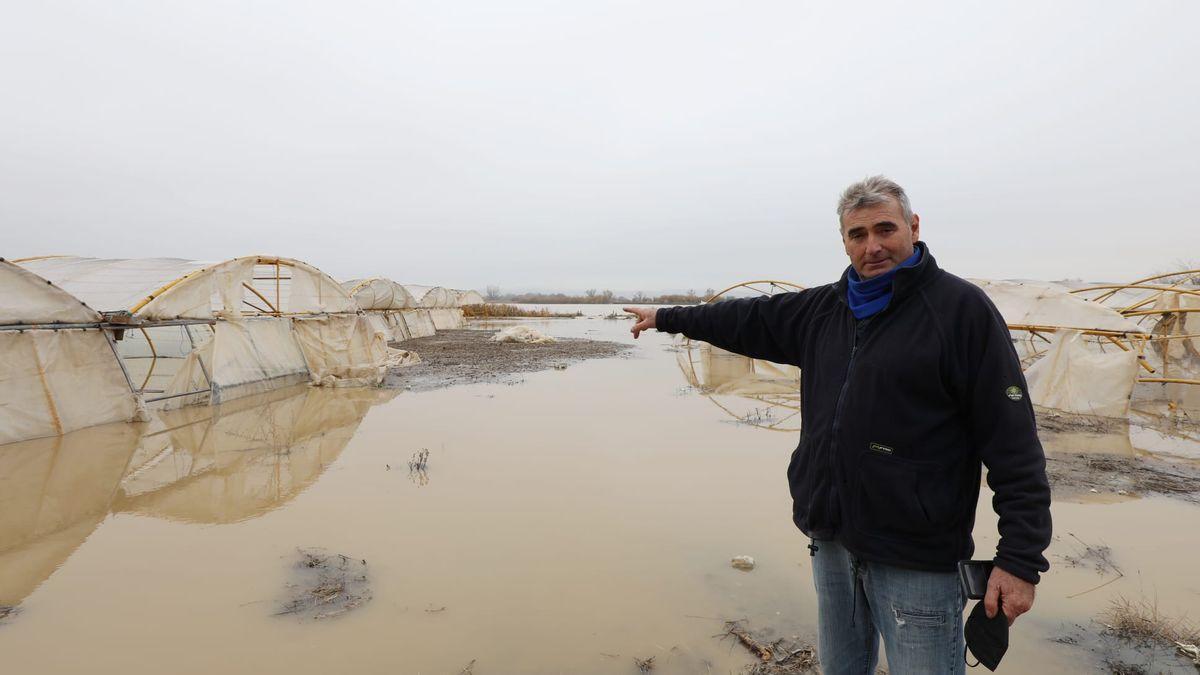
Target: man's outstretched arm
{"type": "Point", "coordinates": [751, 326]}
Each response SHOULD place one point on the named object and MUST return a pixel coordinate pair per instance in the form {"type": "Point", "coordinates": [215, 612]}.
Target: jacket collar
{"type": "Point", "coordinates": [907, 280]}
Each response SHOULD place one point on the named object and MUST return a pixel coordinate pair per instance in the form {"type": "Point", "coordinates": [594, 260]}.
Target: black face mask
{"type": "Point", "coordinates": [986, 638]}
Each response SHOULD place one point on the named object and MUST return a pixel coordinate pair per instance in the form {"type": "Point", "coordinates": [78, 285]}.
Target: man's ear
{"type": "Point", "coordinates": [916, 228]}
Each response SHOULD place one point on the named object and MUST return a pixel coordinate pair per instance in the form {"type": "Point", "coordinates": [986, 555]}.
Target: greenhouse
{"type": "Point", "coordinates": [1077, 355]}
{"type": "Point", "coordinates": [192, 331]}
{"type": "Point", "coordinates": [441, 305]}
{"type": "Point", "coordinates": [385, 302]}
{"type": "Point", "coordinates": [59, 370]}
{"type": "Point", "coordinates": [469, 298]}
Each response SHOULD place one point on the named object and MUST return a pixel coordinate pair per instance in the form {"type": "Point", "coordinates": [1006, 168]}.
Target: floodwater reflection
{"type": "Point", "coordinates": [54, 492]}
{"type": "Point", "coordinates": [243, 459]}
{"type": "Point", "coordinates": [199, 464]}
{"type": "Point", "coordinates": [751, 391]}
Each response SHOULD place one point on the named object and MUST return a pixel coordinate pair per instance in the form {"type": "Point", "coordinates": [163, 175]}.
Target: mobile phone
{"type": "Point", "coordinates": [973, 575]}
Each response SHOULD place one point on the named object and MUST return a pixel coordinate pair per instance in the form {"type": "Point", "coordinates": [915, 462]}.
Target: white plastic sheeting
{"type": "Point", "coordinates": [242, 357]}
{"type": "Point", "coordinates": [432, 296]}
{"type": "Point", "coordinates": [342, 350]}
{"type": "Point", "coordinates": [390, 324]}
{"type": "Point", "coordinates": [379, 293]}
{"type": "Point", "coordinates": [54, 381]}
{"type": "Point", "coordinates": [447, 318]}
{"type": "Point", "coordinates": [379, 324]}
{"type": "Point", "coordinates": [26, 298]}
{"type": "Point", "coordinates": [397, 325]}
{"type": "Point", "coordinates": [1078, 378]}
{"type": "Point", "coordinates": [173, 288]}
{"type": "Point", "coordinates": [1178, 323]}
{"type": "Point", "coordinates": [1022, 303]}
{"type": "Point", "coordinates": [418, 322]}
{"type": "Point", "coordinates": [523, 334]}
{"type": "Point", "coordinates": [469, 297]}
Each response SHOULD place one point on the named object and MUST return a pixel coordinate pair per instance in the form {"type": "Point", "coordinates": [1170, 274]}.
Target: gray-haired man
{"type": "Point", "coordinates": [910, 383]}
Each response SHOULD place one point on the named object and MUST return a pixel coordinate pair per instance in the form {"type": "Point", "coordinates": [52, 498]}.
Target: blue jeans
{"type": "Point", "coordinates": [919, 615]}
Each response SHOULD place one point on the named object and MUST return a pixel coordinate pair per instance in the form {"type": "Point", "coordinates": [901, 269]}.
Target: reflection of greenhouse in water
{"type": "Point", "coordinates": [752, 391]}
{"type": "Point", "coordinates": [220, 464]}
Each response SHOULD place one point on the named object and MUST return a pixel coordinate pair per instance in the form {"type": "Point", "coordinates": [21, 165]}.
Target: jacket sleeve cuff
{"type": "Point", "coordinates": [1023, 572]}
{"type": "Point", "coordinates": [662, 320]}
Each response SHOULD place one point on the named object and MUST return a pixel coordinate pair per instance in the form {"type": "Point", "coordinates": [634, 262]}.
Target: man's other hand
{"type": "Point", "coordinates": [645, 319]}
{"type": "Point", "coordinates": [1013, 594]}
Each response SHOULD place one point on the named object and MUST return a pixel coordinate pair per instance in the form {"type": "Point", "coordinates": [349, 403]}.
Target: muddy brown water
{"type": "Point", "coordinates": [566, 523]}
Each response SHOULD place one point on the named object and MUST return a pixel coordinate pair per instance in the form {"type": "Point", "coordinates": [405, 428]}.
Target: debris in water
{"type": "Point", "coordinates": [644, 665]}
{"type": "Point", "coordinates": [469, 670]}
{"type": "Point", "coordinates": [523, 334]}
{"type": "Point", "coordinates": [331, 584]}
{"type": "Point", "coordinates": [1098, 557]}
{"type": "Point", "coordinates": [7, 611]}
{"type": "Point", "coordinates": [417, 467]}
{"type": "Point", "coordinates": [399, 358]}
{"type": "Point", "coordinates": [742, 562]}
{"type": "Point", "coordinates": [781, 657]}
{"type": "Point", "coordinates": [419, 461]}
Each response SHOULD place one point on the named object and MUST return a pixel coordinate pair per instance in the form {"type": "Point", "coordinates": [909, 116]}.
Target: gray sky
{"type": "Point", "coordinates": [625, 145]}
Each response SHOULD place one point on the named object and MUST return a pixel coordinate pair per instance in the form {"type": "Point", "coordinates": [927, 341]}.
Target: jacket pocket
{"type": "Point", "coordinates": [809, 491]}
{"type": "Point", "coordinates": [901, 496]}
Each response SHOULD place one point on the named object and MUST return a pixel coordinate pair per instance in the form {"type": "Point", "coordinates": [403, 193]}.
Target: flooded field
{"type": "Point", "coordinates": [569, 520]}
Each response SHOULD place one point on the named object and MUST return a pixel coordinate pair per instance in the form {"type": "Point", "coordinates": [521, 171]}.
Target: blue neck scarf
{"type": "Point", "coordinates": [870, 297]}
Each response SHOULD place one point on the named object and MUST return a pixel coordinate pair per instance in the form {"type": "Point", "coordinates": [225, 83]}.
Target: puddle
{"type": "Point", "coordinates": [574, 522]}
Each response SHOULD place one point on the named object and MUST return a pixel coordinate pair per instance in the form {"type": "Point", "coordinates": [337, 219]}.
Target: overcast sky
{"type": "Point", "coordinates": [626, 145]}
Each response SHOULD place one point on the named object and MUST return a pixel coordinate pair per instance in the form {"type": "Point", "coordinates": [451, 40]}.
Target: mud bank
{"type": "Point", "coordinates": [1079, 474]}
{"type": "Point", "coordinates": [468, 356]}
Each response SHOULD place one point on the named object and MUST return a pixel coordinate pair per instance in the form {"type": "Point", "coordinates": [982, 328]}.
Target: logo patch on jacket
{"type": "Point", "coordinates": [1014, 393]}
{"type": "Point", "coordinates": [881, 448]}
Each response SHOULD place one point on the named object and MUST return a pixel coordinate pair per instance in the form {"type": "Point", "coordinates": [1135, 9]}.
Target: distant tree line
{"type": "Point", "coordinates": [593, 296]}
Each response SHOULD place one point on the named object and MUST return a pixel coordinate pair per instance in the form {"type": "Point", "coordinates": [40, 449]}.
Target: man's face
{"type": "Point", "coordinates": [877, 238]}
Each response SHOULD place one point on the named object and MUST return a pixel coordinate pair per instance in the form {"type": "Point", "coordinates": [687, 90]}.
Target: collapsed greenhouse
{"type": "Point", "coordinates": [191, 332]}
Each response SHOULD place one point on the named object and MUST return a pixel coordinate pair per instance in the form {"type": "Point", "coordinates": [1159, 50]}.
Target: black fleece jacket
{"type": "Point", "coordinates": [898, 416]}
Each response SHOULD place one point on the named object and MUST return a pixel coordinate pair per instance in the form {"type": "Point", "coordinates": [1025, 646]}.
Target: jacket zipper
{"type": "Point", "coordinates": [837, 414]}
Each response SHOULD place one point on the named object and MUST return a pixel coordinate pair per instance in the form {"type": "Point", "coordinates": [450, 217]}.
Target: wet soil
{"type": "Point", "coordinates": [1090, 456]}
{"type": "Point", "coordinates": [1082, 473]}
{"type": "Point", "coordinates": [469, 356]}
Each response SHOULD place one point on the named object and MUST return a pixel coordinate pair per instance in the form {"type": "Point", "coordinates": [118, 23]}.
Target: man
{"type": "Point", "coordinates": [909, 382]}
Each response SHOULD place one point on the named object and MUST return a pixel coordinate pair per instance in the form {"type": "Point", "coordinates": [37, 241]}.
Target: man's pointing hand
{"type": "Point", "coordinates": [645, 319]}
